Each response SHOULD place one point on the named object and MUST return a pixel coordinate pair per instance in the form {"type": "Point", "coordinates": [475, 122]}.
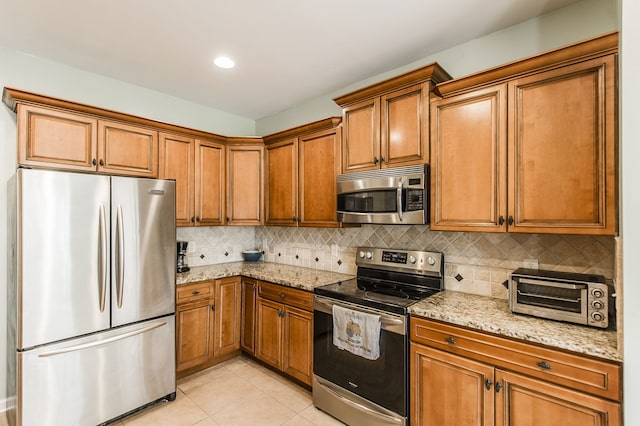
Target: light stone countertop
{"type": "Point", "coordinates": [493, 315]}
{"type": "Point", "coordinates": [287, 275]}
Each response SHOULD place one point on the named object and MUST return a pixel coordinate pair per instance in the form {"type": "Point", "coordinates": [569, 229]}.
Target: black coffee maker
{"type": "Point", "coordinates": [182, 253]}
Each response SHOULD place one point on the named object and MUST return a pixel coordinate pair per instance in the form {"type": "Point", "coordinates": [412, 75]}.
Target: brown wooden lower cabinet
{"type": "Point", "coordinates": [448, 389]}
{"type": "Point", "coordinates": [248, 313]}
{"type": "Point", "coordinates": [284, 332]}
{"type": "Point", "coordinates": [207, 324]}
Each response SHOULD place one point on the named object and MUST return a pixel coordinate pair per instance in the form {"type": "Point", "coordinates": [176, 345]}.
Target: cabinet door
{"type": "Point", "coordinates": [448, 390]}
{"type": "Point", "coordinates": [269, 332]}
{"type": "Point", "coordinates": [404, 125]}
{"type": "Point", "coordinates": [227, 308]}
{"type": "Point", "coordinates": [209, 183]}
{"type": "Point", "coordinates": [127, 150]}
{"type": "Point", "coordinates": [528, 402]}
{"type": "Point", "coordinates": [298, 344]}
{"type": "Point", "coordinates": [248, 323]}
{"type": "Point", "coordinates": [48, 137]}
{"type": "Point", "coordinates": [282, 183]}
{"type": "Point", "coordinates": [469, 161]}
{"type": "Point", "coordinates": [562, 131]}
{"type": "Point", "coordinates": [176, 162]}
{"type": "Point", "coordinates": [319, 164]}
{"type": "Point", "coordinates": [361, 145]}
{"type": "Point", "coordinates": [194, 327]}
{"type": "Point", "coordinates": [245, 182]}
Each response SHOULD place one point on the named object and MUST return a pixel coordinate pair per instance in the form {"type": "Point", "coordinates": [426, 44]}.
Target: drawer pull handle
{"type": "Point", "coordinates": [488, 384]}
{"type": "Point", "coordinates": [195, 293]}
{"type": "Point", "coordinates": [545, 365]}
{"type": "Point", "coordinates": [450, 340]}
{"type": "Point", "coordinates": [282, 295]}
{"type": "Point", "coordinates": [498, 387]}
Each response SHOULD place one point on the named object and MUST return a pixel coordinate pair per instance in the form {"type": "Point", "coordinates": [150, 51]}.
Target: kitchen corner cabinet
{"type": "Point", "coordinates": [387, 124]}
{"type": "Point", "coordinates": [284, 330]}
{"type": "Point", "coordinates": [464, 377]}
{"type": "Point", "coordinates": [55, 138]}
{"type": "Point", "coordinates": [198, 166]}
{"type": "Point", "coordinates": [245, 180]}
{"type": "Point", "coordinates": [207, 323]}
{"type": "Point", "coordinates": [248, 312]}
{"type": "Point", "coordinates": [535, 153]}
{"type": "Point", "coordinates": [301, 174]}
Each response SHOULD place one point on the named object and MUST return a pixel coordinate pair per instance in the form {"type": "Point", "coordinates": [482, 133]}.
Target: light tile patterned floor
{"type": "Point", "coordinates": [236, 392]}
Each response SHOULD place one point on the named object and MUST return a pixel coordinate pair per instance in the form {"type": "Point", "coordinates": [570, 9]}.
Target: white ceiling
{"type": "Point", "coordinates": [286, 51]}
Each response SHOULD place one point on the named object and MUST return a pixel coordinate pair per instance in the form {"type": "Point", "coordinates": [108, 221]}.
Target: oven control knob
{"type": "Point", "coordinates": [369, 255]}
{"type": "Point", "coordinates": [597, 292]}
{"type": "Point", "coordinates": [361, 254]}
{"type": "Point", "coordinates": [431, 261]}
{"type": "Point", "coordinates": [412, 259]}
{"type": "Point", "coordinates": [597, 304]}
{"type": "Point", "coordinates": [597, 316]}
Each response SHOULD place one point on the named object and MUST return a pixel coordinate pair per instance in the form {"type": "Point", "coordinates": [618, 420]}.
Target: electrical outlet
{"type": "Point", "coordinates": [531, 263]}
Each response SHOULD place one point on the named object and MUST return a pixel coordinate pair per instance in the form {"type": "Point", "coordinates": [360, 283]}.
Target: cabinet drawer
{"type": "Point", "coordinates": [571, 370]}
{"type": "Point", "coordinates": [287, 295]}
{"type": "Point", "coordinates": [196, 291]}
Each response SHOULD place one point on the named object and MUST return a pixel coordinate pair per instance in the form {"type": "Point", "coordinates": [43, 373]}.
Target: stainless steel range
{"type": "Point", "coordinates": [361, 342]}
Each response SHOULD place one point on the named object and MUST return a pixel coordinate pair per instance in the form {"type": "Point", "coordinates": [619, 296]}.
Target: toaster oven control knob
{"type": "Point", "coordinates": [597, 292]}
{"type": "Point", "coordinates": [361, 254]}
{"type": "Point", "coordinates": [597, 316]}
{"type": "Point", "coordinates": [431, 261]}
{"type": "Point", "coordinates": [412, 259]}
{"type": "Point", "coordinates": [369, 255]}
{"type": "Point", "coordinates": [597, 304]}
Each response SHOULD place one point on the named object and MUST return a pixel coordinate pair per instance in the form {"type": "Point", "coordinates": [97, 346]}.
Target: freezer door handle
{"type": "Point", "coordinates": [119, 256]}
{"type": "Point", "coordinates": [102, 342]}
{"type": "Point", "coordinates": [102, 261]}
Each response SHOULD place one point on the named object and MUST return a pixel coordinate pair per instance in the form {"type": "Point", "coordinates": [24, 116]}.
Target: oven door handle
{"type": "Point", "coordinates": [388, 322]}
{"type": "Point", "coordinates": [552, 284]}
{"type": "Point", "coordinates": [399, 199]}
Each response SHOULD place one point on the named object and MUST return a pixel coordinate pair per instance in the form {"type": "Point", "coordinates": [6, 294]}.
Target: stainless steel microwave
{"type": "Point", "coordinates": [397, 195]}
{"type": "Point", "coordinates": [579, 298]}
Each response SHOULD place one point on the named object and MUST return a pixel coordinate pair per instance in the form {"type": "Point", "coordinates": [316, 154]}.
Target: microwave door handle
{"type": "Point", "coordinates": [399, 199]}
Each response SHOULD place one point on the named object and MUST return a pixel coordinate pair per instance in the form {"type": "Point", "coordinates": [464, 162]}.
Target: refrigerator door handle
{"type": "Point", "coordinates": [119, 256]}
{"type": "Point", "coordinates": [102, 261]}
{"type": "Point", "coordinates": [101, 342]}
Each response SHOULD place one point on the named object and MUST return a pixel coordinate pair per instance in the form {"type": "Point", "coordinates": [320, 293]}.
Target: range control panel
{"type": "Point", "coordinates": [412, 261]}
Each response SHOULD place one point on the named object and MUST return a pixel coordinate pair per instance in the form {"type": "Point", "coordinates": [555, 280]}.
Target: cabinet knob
{"type": "Point", "coordinates": [544, 364]}
{"type": "Point", "coordinates": [101, 162]}
{"type": "Point", "coordinates": [193, 219]}
{"type": "Point", "coordinates": [381, 159]}
{"type": "Point", "coordinates": [198, 219]}
{"type": "Point", "coordinates": [213, 307]}
{"type": "Point", "coordinates": [281, 295]}
{"type": "Point", "coordinates": [498, 387]}
{"type": "Point", "coordinates": [488, 384]}
{"type": "Point", "coordinates": [501, 220]}
{"type": "Point", "coordinates": [375, 160]}
{"type": "Point", "coordinates": [294, 219]}
{"type": "Point", "coordinates": [94, 162]}
{"type": "Point", "coordinates": [450, 340]}
{"type": "Point", "coordinates": [510, 220]}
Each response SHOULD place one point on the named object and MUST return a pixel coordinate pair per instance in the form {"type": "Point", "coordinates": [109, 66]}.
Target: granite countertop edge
{"type": "Point", "coordinates": [493, 315]}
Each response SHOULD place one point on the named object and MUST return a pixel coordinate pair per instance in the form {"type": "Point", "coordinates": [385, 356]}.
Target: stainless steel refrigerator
{"type": "Point", "coordinates": [93, 306]}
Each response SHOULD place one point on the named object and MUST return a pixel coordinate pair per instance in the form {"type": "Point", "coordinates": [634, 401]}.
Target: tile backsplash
{"type": "Point", "coordinates": [482, 260]}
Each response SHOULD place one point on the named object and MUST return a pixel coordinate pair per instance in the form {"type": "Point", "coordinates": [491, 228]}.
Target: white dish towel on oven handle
{"type": "Point", "coordinates": [356, 332]}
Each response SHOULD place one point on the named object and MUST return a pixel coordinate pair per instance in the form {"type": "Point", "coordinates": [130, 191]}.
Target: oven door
{"type": "Point", "coordinates": [382, 381]}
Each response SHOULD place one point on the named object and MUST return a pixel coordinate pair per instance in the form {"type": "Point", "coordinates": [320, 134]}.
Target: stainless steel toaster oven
{"type": "Point", "coordinates": [579, 298]}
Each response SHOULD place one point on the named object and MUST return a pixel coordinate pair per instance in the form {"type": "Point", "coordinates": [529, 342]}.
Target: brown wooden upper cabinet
{"type": "Point", "coordinates": [530, 146]}
{"type": "Point", "coordinates": [198, 166]}
{"type": "Point", "coordinates": [245, 202]}
{"type": "Point", "coordinates": [52, 137]}
{"type": "Point", "coordinates": [302, 165]}
{"type": "Point", "coordinates": [387, 124]}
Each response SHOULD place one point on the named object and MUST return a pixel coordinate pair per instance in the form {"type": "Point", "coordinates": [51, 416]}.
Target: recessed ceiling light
{"type": "Point", "coordinates": [224, 62]}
